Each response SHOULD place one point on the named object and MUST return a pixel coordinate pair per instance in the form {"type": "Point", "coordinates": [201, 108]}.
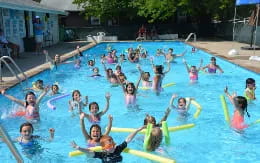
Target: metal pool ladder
{"type": "Point", "coordinates": [4, 135]}
{"type": "Point", "coordinates": [189, 36]}
{"type": "Point", "coordinates": [4, 59]}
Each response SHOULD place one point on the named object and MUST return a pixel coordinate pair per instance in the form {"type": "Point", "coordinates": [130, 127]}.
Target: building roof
{"type": "Point", "coordinates": [66, 5]}
{"type": "Point", "coordinates": [29, 5]}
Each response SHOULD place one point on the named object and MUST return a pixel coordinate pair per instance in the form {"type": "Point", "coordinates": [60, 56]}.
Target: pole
{"type": "Point", "coordinates": [256, 24]}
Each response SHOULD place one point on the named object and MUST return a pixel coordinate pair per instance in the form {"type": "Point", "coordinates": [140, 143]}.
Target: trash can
{"type": "Point", "coordinates": [29, 44]}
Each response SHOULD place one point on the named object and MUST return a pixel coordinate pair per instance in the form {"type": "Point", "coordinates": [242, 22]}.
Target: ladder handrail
{"type": "Point", "coordinates": [2, 59]}
{"type": "Point", "coordinates": [10, 145]}
{"type": "Point", "coordinates": [189, 36]}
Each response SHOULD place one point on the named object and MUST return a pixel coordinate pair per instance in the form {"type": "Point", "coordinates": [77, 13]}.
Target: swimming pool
{"type": "Point", "coordinates": [211, 140]}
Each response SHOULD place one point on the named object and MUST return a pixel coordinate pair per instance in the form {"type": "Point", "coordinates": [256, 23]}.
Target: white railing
{"type": "Point", "coordinates": [194, 37]}
{"type": "Point", "coordinates": [4, 60]}
{"type": "Point", "coordinates": [4, 135]}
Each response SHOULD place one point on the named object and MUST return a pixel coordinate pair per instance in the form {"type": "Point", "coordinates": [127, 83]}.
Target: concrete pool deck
{"type": "Point", "coordinates": [31, 64]}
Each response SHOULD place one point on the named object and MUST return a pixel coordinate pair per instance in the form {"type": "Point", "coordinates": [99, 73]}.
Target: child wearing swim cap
{"type": "Point", "coordinates": [95, 115]}
{"type": "Point", "coordinates": [240, 104]}
{"type": "Point", "coordinates": [250, 89]}
{"type": "Point", "coordinates": [93, 138]}
{"type": "Point", "coordinates": [110, 151]}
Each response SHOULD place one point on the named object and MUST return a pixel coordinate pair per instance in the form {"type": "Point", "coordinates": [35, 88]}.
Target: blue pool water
{"type": "Point", "coordinates": [211, 140]}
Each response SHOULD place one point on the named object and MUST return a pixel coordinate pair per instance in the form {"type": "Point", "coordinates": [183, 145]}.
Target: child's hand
{"type": "Point", "coordinates": [110, 117]}
{"type": "Point", "coordinates": [2, 91]}
{"type": "Point", "coordinates": [81, 116]}
{"type": "Point", "coordinates": [174, 95]}
{"type": "Point", "coordinates": [74, 145]}
{"type": "Point", "coordinates": [226, 89]}
{"type": "Point", "coordinates": [52, 130]}
{"type": "Point", "coordinates": [77, 47]}
{"type": "Point", "coordinates": [107, 95]}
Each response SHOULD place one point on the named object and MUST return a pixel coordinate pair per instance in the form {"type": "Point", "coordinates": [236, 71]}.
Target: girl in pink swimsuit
{"type": "Point", "coordinates": [31, 104]}
{"type": "Point", "coordinates": [193, 71]}
{"type": "Point", "coordinates": [95, 116]}
{"type": "Point", "coordinates": [240, 104]}
{"type": "Point", "coordinates": [95, 134]}
{"type": "Point", "coordinates": [130, 91]}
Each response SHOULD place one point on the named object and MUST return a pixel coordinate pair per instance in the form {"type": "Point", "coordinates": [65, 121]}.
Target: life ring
{"type": "Point", "coordinates": [225, 108]}
{"type": "Point", "coordinates": [170, 129]}
{"type": "Point", "coordinates": [163, 86]}
{"type": "Point", "coordinates": [54, 99]}
{"type": "Point", "coordinates": [197, 105]}
{"type": "Point", "coordinates": [142, 154]}
{"type": "Point", "coordinates": [147, 135]}
{"type": "Point", "coordinates": [166, 132]}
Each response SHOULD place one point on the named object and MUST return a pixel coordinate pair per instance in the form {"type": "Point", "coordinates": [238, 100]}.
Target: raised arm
{"type": "Point", "coordinates": [83, 128]}
{"type": "Point", "coordinates": [172, 100]}
{"type": "Point", "coordinates": [132, 135]}
{"type": "Point", "coordinates": [186, 65]}
{"type": "Point", "coordinates": [107, 96]}
{"type": "Point", "coordinates": [109, 126]}
{"type": "Point", "coordinates": [138, 82]}
{"type": "Point", "coordinates": [200, 66]}
{"type": "Point", "coordinates": [168, 67]}
{"type": "Point", "coordinates": [164, 118]}
{"type": "Point", "coordinates": [46, 89]}
{"type": "Point", "coordinates": [182, 54]}
{"type": "Point", "coordinates": [85, 150]}
{"type": "Point", "coordinates": [12, 98]}
{"type": "Point", "coordinates": [229, 95]}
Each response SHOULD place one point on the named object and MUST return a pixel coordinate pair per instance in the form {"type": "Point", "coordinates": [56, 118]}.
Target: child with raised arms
{"type": "Point", "coordinates": [183, 104]}
{"type": "Point", "coordinates": [76, 102]}
{"type": "Point", "coordinates": [212, 67]}
{"type": "Point", "coordinates": [240, 105]}
{"type": "Point", "coordinates": [110, 151]}
{"type": "Point", "coordinates": [93, 138]}
{"type": "Point", "coordinates": [193, 71]}
{"type": "Point", "coordinates": [95, 115]}
{"type": "Point", "coordinates": [31, 104]}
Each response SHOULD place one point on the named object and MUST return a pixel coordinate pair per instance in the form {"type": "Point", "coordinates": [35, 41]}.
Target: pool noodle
{"type": "Point", "coordinates": [147, 135]}
{"type": "Point", "coordinates": [142, 154]}
{"type": "Point", "coordinates": [54, 99]}
{"type": "Point", "coordinates": [166, 133]}
{"type": "Point", "coordinates": [171, 129]}
{"type": "Point", "coordinates": [225, 109]}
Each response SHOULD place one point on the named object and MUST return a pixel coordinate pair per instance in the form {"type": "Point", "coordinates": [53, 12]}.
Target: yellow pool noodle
{"type": "Point", "coordinates": [225, 108]}
{"type": "Point", "coordinates": [198, 106]}
{"type": "Point", "coordinates": [142, 154]}
{"type": "Point", "coordinates": [78, 153]}
{"type": "Point", "coordinates": [171, 129]}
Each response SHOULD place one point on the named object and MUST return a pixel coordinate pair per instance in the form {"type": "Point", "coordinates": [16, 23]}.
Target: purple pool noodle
{"type": "Point", "coordinates": [54, 99]}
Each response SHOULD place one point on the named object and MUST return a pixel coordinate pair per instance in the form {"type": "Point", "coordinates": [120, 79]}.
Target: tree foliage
{"type": "Point", "coordinates": [159, 10]}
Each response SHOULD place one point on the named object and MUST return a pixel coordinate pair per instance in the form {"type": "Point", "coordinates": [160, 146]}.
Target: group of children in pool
{"type": "Point", "coordinates": [76, 104]}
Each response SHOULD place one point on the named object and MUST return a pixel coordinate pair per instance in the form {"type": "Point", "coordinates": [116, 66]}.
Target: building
{"type": "Point", "coordinates": [17, 17]}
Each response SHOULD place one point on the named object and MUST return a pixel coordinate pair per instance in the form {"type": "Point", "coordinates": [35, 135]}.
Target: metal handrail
{"type": "Point", "coordinates": [188, 38]}
{"type": "Point", "coordinates": [2, 59]}
{"type": "Point", "coordinates": [10, 145]}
